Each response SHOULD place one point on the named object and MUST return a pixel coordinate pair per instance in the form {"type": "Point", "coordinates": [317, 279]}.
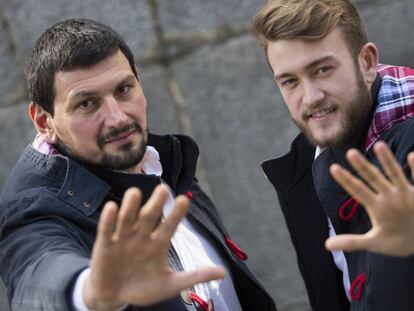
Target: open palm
{"type": "Point", "coordinates": [388, 200]}
{"type": "Point", "coordinates": [129, 263]}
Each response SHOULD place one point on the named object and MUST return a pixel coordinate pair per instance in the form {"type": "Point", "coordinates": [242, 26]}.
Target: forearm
{"type": "Point", "coordinates": [44, 285]}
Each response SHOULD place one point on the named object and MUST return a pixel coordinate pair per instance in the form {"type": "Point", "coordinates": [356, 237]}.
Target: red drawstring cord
{"type": "Point", "coordinates": [194, 297]}
{"type": "Point", "coordinates": [358, 284]}
{"type": "Point", "coordinates": [236, 250]}
{"type": "Point", "coordinates": [233, 246]}
{"type": "Point", "coordinates": [342, 210]}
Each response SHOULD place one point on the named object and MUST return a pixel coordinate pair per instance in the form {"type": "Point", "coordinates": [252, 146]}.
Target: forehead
{"type": "Point", "coordinates": [96, 78]}
{"type": "Point", "coordinates": [292, 55]}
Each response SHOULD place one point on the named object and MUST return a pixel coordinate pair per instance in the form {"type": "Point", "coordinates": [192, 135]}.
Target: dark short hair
{"type": "Point", "coordinates": [66, 46]}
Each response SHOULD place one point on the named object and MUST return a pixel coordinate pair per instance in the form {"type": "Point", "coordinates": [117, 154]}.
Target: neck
{"type": "Point", "coordinates": [136, 169]}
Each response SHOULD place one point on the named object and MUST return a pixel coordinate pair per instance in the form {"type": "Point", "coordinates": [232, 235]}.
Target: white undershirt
{"type": "Point", "coordinates": [193, 250]}
{"type": "Point", "coordinates": [338, 256]}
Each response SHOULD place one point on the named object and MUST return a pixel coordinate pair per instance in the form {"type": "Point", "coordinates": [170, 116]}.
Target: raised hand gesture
{"type": "Point", "coordinates": [388, 200]}
{"type": "Point", "coordinates": [129, 263]}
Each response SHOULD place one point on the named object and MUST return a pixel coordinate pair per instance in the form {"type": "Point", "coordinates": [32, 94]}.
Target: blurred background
{"type": "Point", "coordinates": [203, 75]}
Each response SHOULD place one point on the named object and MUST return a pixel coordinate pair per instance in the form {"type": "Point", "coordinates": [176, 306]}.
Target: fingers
{"type": "Point", "coordinates": [150, 214]}
{"type": "Point", "coordinates": [131, 219]}
{"type": "Point", "coordinates": [390, 165]}
{"type": "Point", "coordinates": [187, 279]}
{"type": "Point", "coordinates": [354, 186]}
{"type": "Point", "coordinates": [370, 173]}
{"type": "Point", "coordinates": [170, 224]}
{"type": "Point", "coordinates": [211, 305]}
{"type": "Point", "coordinates": [348, 242]}
{"type": "Point", "coordinates": [410, 160]}
{"type": "Point", "coordinates": [128, 213]}
{"type": "Point", "coordinates": [106, 223]}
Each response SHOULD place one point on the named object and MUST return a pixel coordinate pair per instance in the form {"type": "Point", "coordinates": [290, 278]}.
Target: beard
{"type": "Point", "coordinates": [356, 113]}
{"type": "Point", "coordinates": [126, 157]}
{"type": "Point", "coordinates": [129, 155]}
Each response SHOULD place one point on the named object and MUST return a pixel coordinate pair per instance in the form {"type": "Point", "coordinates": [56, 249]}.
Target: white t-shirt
{"type": "Point", "coordinates": [338, 256]}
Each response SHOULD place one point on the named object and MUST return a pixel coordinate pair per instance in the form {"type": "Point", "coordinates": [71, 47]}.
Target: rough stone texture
{"type": "Point", "coordinates": [29, 18]}
{"type": "Point", "coordinates": [16, 133]}
{"type": "Point", "coordinates": [161, 114]}
{"type": "Point", "coordinates": [235, 110]}
{"type": "Point", "coordinates": [199, 15]}
{"type": "Point", "coordinates": [390, 26]}
{"type": "Point", "coordinates": [9, 86]}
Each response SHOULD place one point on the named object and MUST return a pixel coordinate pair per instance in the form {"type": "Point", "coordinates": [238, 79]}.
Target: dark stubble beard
{"type": "Point", "coordinates": [356, 115]}
{"type": "Point", "coordinates": [129, 157]}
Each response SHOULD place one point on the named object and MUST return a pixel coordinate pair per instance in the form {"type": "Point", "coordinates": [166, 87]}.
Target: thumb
{"type": "Point", "coordinates": [348, 242]}
{"type": "Point", "coordinates": [187, 279]}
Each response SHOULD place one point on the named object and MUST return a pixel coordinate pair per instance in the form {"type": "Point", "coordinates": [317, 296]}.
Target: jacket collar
{"type": "Point", "coordinates": [37, 171]}
{"type": "Point", "coordinates": [287, 170]}
{"type": "Point", "coordinates": [178, 156]}
{"type": "Point", "coordinates": [395, 101]}
{"type": "Point", "coordinates": [80, 187]}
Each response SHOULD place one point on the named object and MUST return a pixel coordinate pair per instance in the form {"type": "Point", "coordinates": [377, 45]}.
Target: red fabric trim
{"type": "Point", "coordinates": [236, 250]}
{"type": "Point", "coordinates": [344, 207]}
{"type": "Point", "coordinates": [357, 286]}
{"type": "Point", "coordinates": [195, 298]}
{"type": "Point", "coordinates": [189, 194]}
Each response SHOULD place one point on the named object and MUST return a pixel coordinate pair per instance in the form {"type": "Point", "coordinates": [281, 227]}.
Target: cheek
{"type": "Point", "coordinates": [292, 100]}
{"type": "Point", "coordinates": [138, 113]}
{"type": "Point", "coordinates": [294, 108]}
{"type": "Point", "coordinates": [344, 87]}
{"type": "Point", "coordinates": [84, 131]}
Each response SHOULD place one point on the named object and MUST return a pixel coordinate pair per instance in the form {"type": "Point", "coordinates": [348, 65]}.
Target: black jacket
{"type": "Point", "coordinates": [49, 210]}
{"type": "Point", "coordinates": [307, 195]}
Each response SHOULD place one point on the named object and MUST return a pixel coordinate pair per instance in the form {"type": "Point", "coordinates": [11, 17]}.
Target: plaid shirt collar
{"type": "Point", "coordinates": [395, 101]}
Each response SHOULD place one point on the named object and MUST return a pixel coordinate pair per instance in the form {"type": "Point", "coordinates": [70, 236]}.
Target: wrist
{"type": "Point", "coordinates": [96, 303]}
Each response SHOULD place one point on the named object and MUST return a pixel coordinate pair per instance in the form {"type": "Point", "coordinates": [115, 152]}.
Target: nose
{"type": "Point", "coordinates": [113, 114]}
{"type": "Point", "coordinates": [312, 93]}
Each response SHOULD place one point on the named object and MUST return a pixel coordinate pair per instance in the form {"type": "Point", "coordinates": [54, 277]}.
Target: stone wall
{"type": "Point", "coordinates": [203, 75]}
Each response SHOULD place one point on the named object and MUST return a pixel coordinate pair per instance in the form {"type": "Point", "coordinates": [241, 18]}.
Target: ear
{"type": "Point", "coordinates": [368, 62]}
{"type": "Point", "coordinates": [43, 122]}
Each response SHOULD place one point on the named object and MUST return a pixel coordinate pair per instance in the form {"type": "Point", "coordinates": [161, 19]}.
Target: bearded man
{"type": "Point", "coordinates": [341, 98]}
{"type": "Point", "coordinates": [73, 235]}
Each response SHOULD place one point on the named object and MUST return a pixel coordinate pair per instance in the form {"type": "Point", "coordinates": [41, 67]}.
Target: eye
{"type": "Point", "coordinates": [124, 90]}
{"type": "Point", "coordinates": [86, 104]}
{"type": "Point", "coordinates": [323, 70]}
{"type": "Point", "coordinates": [289, 83]}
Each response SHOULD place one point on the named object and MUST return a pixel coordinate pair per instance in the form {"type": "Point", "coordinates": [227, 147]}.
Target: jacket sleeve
{"type": "Point", "coordinates": [41, 254]}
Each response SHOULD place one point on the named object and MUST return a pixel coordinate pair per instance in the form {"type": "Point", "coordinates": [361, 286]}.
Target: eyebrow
{"type": "Point", "coordinates": [84, 94]}
{"type": "Point", "coordinates": [309, 66]}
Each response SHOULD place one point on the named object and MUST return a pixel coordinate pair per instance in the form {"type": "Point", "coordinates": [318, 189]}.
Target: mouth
{"type": "Point", "coordinates": [121, 137]}
{"type": "Point", "coordinates": [321, 113]}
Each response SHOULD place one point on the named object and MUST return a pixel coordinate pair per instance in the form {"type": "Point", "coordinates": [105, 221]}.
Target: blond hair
{"type": "Point", "coordinates": [309, 20]}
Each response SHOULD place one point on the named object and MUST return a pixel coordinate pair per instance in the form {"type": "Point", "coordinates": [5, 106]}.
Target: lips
{"type": "Point", "coordinates": [119, 137]}
{"type": "Point", "coordinates": [321, 113]}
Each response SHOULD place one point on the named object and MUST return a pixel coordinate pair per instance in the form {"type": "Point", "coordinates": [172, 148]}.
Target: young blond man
{"type": "Point", "coordinates": [341, 98]}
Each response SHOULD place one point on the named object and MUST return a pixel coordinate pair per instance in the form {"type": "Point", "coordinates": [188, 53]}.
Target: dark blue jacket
{"type": "Point", "coordinates": [49, 210]}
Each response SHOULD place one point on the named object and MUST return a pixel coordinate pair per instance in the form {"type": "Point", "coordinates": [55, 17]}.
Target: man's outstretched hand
{"type": "Point", "coordinates": [129, 263]}
{"type": "Point", "coordinates": [388, 200]}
